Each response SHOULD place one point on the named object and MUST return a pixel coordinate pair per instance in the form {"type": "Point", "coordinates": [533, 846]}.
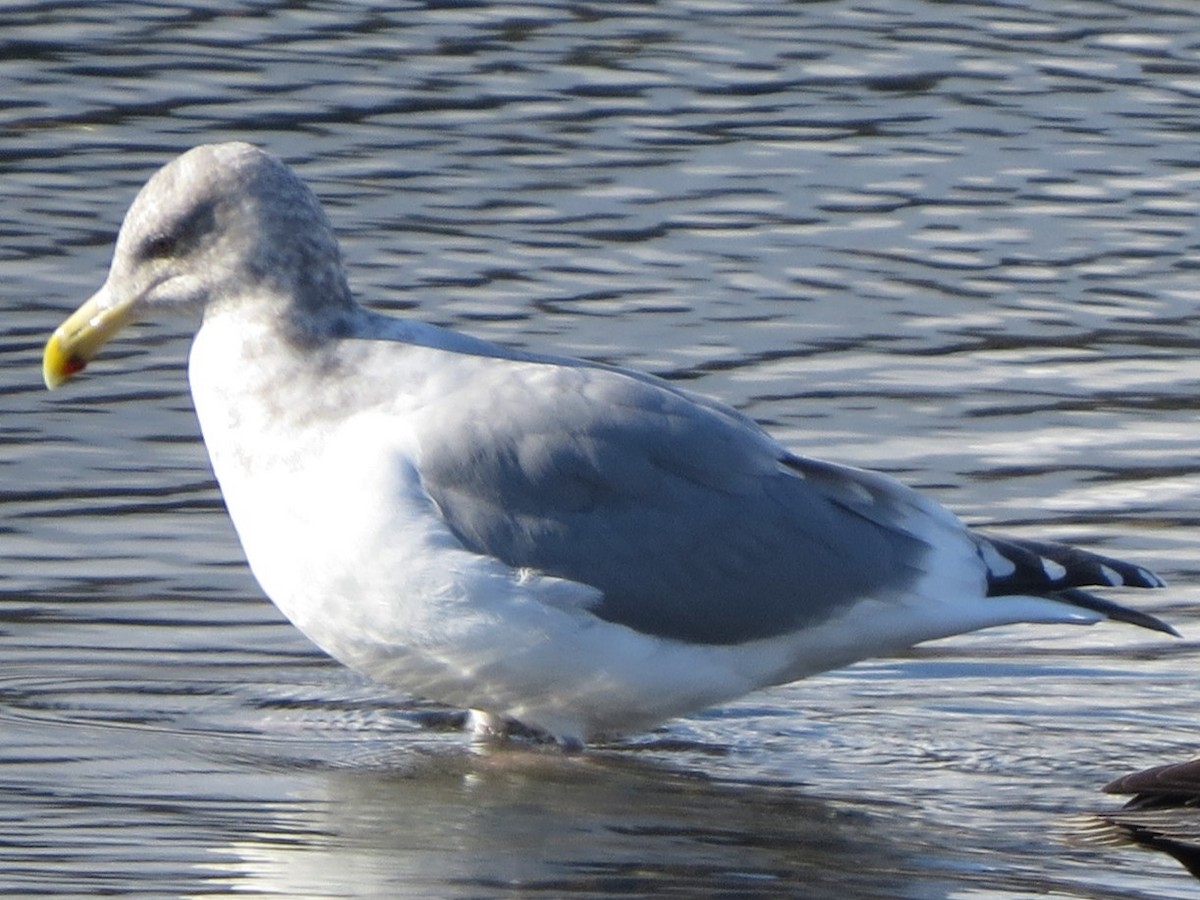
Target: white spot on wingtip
{"type": "Point", "coordinates": [998, 565]}
{"type": "Point", "coordinates": [1112, 576]}
{"type": "Point", "coordinates": [1054, 571]}
{"type": "Point", "coordinates": [1151, 578]}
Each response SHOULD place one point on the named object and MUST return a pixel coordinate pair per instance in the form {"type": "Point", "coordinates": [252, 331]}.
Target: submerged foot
{"type": "Point", "coordinates": [490, 729]}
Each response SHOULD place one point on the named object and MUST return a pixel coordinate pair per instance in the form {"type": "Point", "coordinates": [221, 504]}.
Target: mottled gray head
{"type": "Point", "coordinates": [223, 223]}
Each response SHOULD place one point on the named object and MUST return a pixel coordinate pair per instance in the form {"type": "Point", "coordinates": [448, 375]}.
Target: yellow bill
{"type": "Point", "coordinates": [81, 336]}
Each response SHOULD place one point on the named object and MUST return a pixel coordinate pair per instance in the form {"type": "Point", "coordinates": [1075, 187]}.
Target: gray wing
{"type": "Point", "coordinates": [689, 519]}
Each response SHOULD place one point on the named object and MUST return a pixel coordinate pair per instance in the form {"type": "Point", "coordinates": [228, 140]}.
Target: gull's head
{"type": "Point", "coordinates": [221, 225]}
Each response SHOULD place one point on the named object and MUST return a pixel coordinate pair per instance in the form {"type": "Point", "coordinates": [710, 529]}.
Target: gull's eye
{"type": "Point", "coordinates": [179, 235]}
{"type": "Point", "coordinates": [159, 247]}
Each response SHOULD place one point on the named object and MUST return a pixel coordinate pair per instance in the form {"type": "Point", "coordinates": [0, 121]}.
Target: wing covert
{"type": "Point", "coordinates": [691, 521]}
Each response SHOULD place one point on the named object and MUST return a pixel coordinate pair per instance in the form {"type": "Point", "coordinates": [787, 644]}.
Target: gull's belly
{"type": "Point", "coordinates": [344, 541]}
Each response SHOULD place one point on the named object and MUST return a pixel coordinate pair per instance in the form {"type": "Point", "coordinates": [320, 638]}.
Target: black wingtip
{"type": "Point", "coordinates": [1115, 611]}
{"type": "Point", "coordinates": [1019, 566]}
{"type": "Point", "coordinates": [1145, 620]}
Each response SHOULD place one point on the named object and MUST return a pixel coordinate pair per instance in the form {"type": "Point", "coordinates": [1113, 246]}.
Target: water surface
{"type": "Point", "coordinates": [954, 242]}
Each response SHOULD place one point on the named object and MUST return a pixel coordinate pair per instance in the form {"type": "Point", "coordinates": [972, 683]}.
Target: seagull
{"type": "Point", "coordinates": [563, 547]}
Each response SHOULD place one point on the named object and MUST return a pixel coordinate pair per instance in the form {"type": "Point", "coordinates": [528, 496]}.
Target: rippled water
{"type": "Point", "coordinates": [952, 241]}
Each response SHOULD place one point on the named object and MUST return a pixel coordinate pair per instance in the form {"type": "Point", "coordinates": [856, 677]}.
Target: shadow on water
{"type": "Point", "coordinates": [209, 783]}
{"type": "Point", "coordinates": [530, 822]}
